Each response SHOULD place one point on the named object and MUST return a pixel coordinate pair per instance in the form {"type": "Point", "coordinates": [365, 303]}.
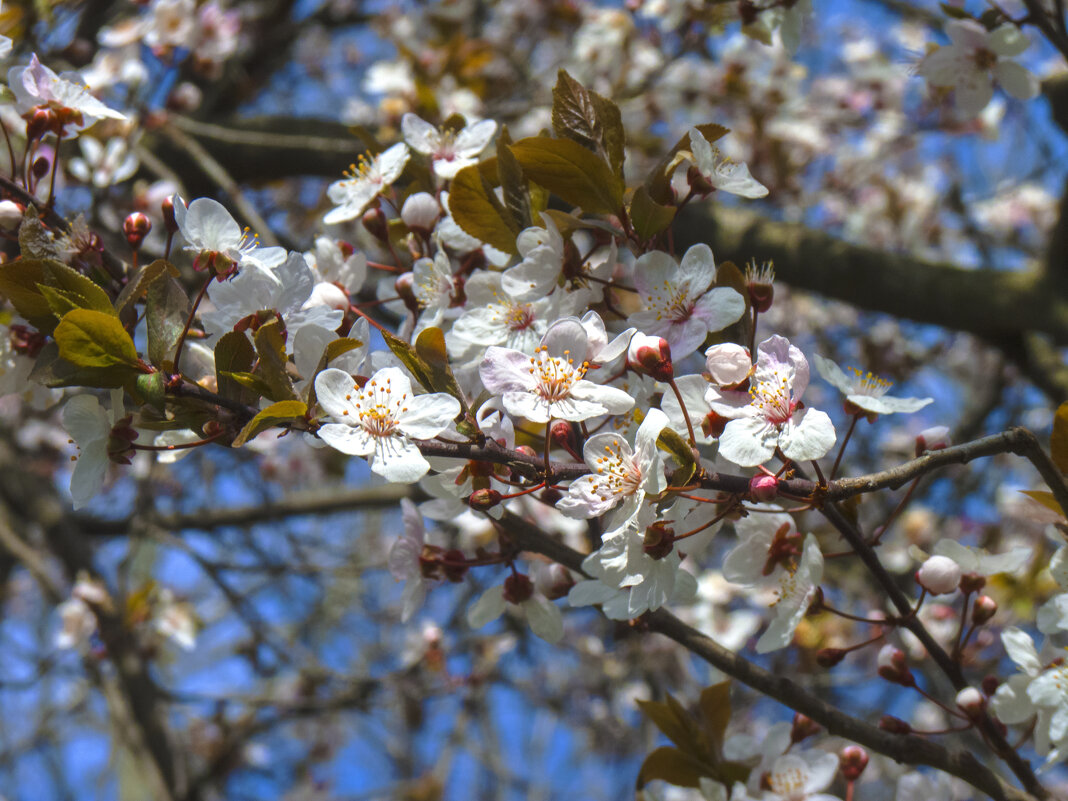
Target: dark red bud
{"type": "Point", "coordinates": [803, 727]}
{"type": "Point", "coordinates": [374, 220]}
{"type": "Point", "coordinates": [983, 609]}
{"type": "Point", "coordinates": [659, 540]}
{"type": "Point", "coordinates": [136, 227]}
{"type": "Point", "coordinates": [484, 499]}
{"type": "Point", "coordinates": [853, 761]}
{"type": "Point", "coordinates": [972, 582]}
{"type": "Point", "coordinates": [518, 588]}
{"type": "Point", "coordinates": [829, 657]}
{"type": "Point", "coordinates": [169, 221]}
{"type": "Point", "coordinates": [454, 565]}
{"type": "Point", "coordinates": [894, 725]}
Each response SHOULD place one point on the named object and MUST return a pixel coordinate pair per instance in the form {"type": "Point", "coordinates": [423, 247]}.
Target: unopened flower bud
{"type": "Point", "coordinates": [10, 215]}
{"type": "Point", "coordinates": [659, 540]}
{"type": "Point", "coordinates": [939, 575]}
{"type": "Point", "coordinates": [136, 227]}
{"type": "Point", "coordinates": [39, 122]}
{"type": "Point", "coordinates": [374, 220]}
{"type": "Point", "coordinates": [41, 166]}
{"type": "Point", "coordinates": [554, 581]}
{"type": "Point", "coordinates": [26, 341]}
{"type": "Point", "coordinates": [983, 609]}
{"type": "Point", "coordinates": [698, 183]}
{"type": "Point", "coordinates": [169, 221]}
{"type": "Point", "coordinates": [852, 763]}
{"type": "Point", "coordinates": [971, 702]}
{"type": "Point", "coordinates": [990, 685]}
{"type": "Point", "coordinates": [763, 489]}
{"type": "Point", "coordinates": [550, 496]}
{"type": "Point", "coordinates": [561, 433]}
{"type": "Point", "coordinates": [483, 499]}
{"type": "Point", "coordinates": [405, 286]}
{"type": "Point", "coordinates": [803, 727]}
{"type": "Point", "coordinates": [651, 356]}
{"type": "Point", "coordinates": [518, 588]}
{"type": "Point", "coordinates": [728, 364]}
{"type": "Point", "coordinates": [972, 582]}
{"type": "Point", "coordinates": [893, 666]}
{"type": "Point", "coordinates": [185, 98]}
{"type": "Point", "coordinates": [932, 439]}
{"type": "Point", "coordinates": [829, 657]}
{"type": "Point", "coordinates": [526, 450]}
{"type": "Point", "coordinates": [894, 725]}
{"type": "Point", "coordinates": [420, 211]}
{"type": "Point", "coordinates": [329, 296]}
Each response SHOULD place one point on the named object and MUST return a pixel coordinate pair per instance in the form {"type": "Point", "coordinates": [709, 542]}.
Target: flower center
{"type": "Point", "coordinates": [379, 410]}
{"type": "Point", "coordinates": [789, 784]}
{"type": "Point", "coordinates": [365, 169]}
{"type": "Point", "coordinates": [519, 317]}
{"type": "Point", "coordinates": [869, 384]}
{"type": "Point", "coordinates": [618, 473]}
{"type": "Point", "coordinates": [772, 399]}
{"type": "Point", "coordinates": [555, 375]}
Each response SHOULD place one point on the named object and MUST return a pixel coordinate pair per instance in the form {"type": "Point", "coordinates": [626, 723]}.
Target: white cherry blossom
{"type": "Point", "coordinates": [551, 384]}
{"type": "Point", "coordinates": [541, 614]}
{"type": "Point", "coordinates": [364, 182]}
{"type": "Point", "coordinates": [795, 777]}
{"type": "Point", "coordinates": [770, 416]}
{"type": "Point", "coordinates": [542, 253]}
{"type": "Point", "coordinates": [721, 172]}
{"type": "Point", "coordinates": [36, 85]}
{"type": "Point", "coordinates": [382, 420]}
{"type": "Point", "coordinates": [866, 391]}
{"type": "Point", "coordinates": [449, 150]}
{"type": "Point", "coordinates": [217, 239]}
{"type": "Point", "coordinates": [622, 476]}
{"type": "Point", "coordinates": [405, 560]}
{"type": "Point", "coordinates": [680, 304]}
{"type": "Point", "coordinates": [90, 426]}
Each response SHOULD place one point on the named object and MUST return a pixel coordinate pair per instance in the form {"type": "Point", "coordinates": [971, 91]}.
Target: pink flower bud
{"type": "Point", "coordinates": [484, 499]}
{"type": "Point", "coordinates": [405, 286]}
{"type": "Point", "coordinates": [167, 207]}
{"type": "Point", "coordinates": [329, 295]}
{"type": "Point", "coordinates": [10, 215]}
{"type": "Point", "coordinates": [420, 211]}
{"type": "Point", "coordinates": [728, 364]}
{"type": "Point", "coordinates": [553, 581]}
{"type": "Point", "coordinates": [561, 433]}
{"type": "Point", "coordinates": [971, 702]}
{"type": "Point", "coordinates": [136, 227]}
{"type": "Point", "coordinates": [932, 439]}
{"type": "Point", "coordinates": [983, 609]}
{"type": "Point", "coordinates": [763, 489]}
{"type": "Point", "coordinates": [893, 667]}
{"type": "Point", "coordinates": [651, 356]}
{"type": "Point", "coordinates": [853, 761]}
{"type": "Point", "coordinates": [939, 575]}
{"type": "Point", "coordinates": [802, 727]}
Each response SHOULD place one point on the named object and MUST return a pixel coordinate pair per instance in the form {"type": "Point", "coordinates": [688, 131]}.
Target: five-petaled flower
{"type": "Point", "coordinates": [721, 172]}
{"type": "Point", "coordinates": [65, 95]}
{"type": "Point", "coordinates": [382, 420]}
{"type": "Point", "coordinates": [363, 183]}
{"type": "Point", "coordinates": [551, 384]}
{"type": "Point", "coordinates": [449, 150]}
{"type": "Point", "coordinates": [865, 391]}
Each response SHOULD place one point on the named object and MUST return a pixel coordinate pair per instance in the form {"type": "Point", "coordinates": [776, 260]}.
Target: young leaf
{"type": "Point", "coordinates": [513, 184]}
{"type": "Point", "coordinates": [648, 217]}
{"type": "Point", "coordinates": [410, 359]}
{"type": "Point", "coordinates": [430, 348]}
{"type": "Point", "coordinates": [271, 416]}
{"type": "Point", "coordinates": [1059, 441]}
{"type": "Point", "coordinates": [672, 766]}
{"type": "Point", "coordinates": [476, 209]}
{"type": "Point", "coordinates": [20, 282]}
{"type": "Point", "coordinates": [233, 354]}
{"type": "Point", "coordinates": [88, 338]}
{"type": "Point", "coordinates": [671, 718]}
{"type": "Point", "coordinates": [715, 705]}
{"type": "Point", "coordinates": [166, 311]}
{"type": "Point", "coordinates": [589, 119]}
{"type": "Point", "coordinates": [681, 452]}
{"type": "Point", "coordinates": [140, 282]}
{"type": "Point", "coordinates": [271, 349]}
{"type": "Point", "coordinates": [571, 172]}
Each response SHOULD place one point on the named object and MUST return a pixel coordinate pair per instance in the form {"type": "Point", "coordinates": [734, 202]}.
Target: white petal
{"type": "Point", "coordinates": [353, 441]}
{"type": "Point", "coordinates": [544, 618]}
{"type": "Point", "coordinates": [420, 134]}
{"type": "Point", "coordinates": [428, 415]}
{"type": "Point", "coordinates": [334, 390]}
{"type": "Point", "coordinates": [1016, 80]}
{"type": "Point", "coordinates": [398, 460]}
{"type": "Point", "coordinates": [489, 607]}
{"type": "Point", "coordinates": [747, 441]}
{"type": "Point", "coordinates": [808, 436]}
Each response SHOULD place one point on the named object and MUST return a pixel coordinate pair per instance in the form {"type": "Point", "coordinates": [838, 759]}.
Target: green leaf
{"type": "Point", "coordinates": [430, 348]}
{"type": "Point", "coordinates": [233, 354]}
{"type": "Point", "coordinates": [681, 452]}
{"type": "Point", "coordinates": [94, 297]}
{"type": "Point", "coordinates": [137, 285]}
{"type": "Point", "coordinates": [271, 349]}
{"type": "Point", "coordinates": [274, 414]}
{"type": "Point", "coordinates": [333, 349]}
{"type": "Point", "coordinates": [166, 312]}
{"type": "Point", "coordinates": [60, 301]}
{"type": "Point", "coordinates": [22, 281]}
{"type": "Point", "coordinates": [954, 12]}
{"type": "Point", "coordinates": [672, 766]}
{"type": "Point", "coordinates": [152, 388]}
{"type": "Point", "coordinates": [476, 209]}
{"type": "Point", "coordinates": [513, 183]}
{"type": "Point", "coordinates": [571, 172]}
{"type": "Point", "coordinates": [589, 119]}
{"type": "Point", "coordinates": [659, 182]}
{"type": "Point", "coordinates": [715, 705]}
{"type": "Point", "coordinates": [1045, 498]}
{"type": "Point", "coordinates": [648, 217]}
{"type": "Point", "coordinates": [1058, 444]}
{"type": "Point", "coordinates": [88, 338]}
{"type": "Point", "coordinates": [52, 371]}
{"type": "Point", "coordinates": [671, 718]}
{"type": "Point", "coordinates": [409, 358]}
{"type": "Point", "coordinates": [36, 241]}
{"type": "Point", "coordinates": [249, 381]}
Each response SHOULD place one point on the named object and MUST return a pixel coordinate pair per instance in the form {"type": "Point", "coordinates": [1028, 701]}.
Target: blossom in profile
{"type": "Point", "coordinates": [90, 426]}
{"type": "Point", "coordinates": [449, 150]}
{"type": "Point", "coordinates": [770, 415]}
{"type": "Point", "coordinates": [680, 303]}
{"type": "Point", "coordinates": [865, 391]}
{"type": "Point", "coordinates": [35, 85]}
{"type": "Point", "coordinates": [220, 244]}
{"type": "Point", "coordinates": [519, 596]}
{"type": "Point", "coordinates": [721, 172]}
{"type": "Point", "coordinates": [974, 60]}
{"type": "Point", "coordinates": [383, 420]}
{"type": "Point", "coordinates": [405, 561]}
{"type": "Point", "coordinates": [364, 182]}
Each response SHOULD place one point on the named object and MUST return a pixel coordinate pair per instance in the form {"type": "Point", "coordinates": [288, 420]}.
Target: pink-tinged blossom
{"type": "Point", "coordinates": [866, 391]}
{"type": "Point", "coordinates": [551, 384]}
{"type": "Point", "coordinates": [405, 561]}
{"type": "Point", "coordinates": [974, 59]}
{"type": "Point", "coordinates": [622, 476]}
{"type": "Point", "coordinates": [383, 420]}
{"type": "Point", "coordinates": [364, 182]}
{"type": "Point", "coordinates": [795, 777]}
{"type": "Point", "coordinates": [728, 364]}
{"type": "Point", "coordinates": [680, 304]}
{"type": "Point", "coordinates": [449, 150]}
{"type": "Point", "coordinates": [542, 252]}
{"type": "Point", "coordinates": [770, 415]}
{"type": "Point", "coordinates": [36, 85]}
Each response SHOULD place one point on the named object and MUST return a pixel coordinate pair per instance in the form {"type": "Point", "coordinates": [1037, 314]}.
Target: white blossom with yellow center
{"type": "Point", "coordinates": [382, 420]}
{"type": "Point", "coordinates": [449, 150]}
{"type": "Point", "coordinates": [551, 383]}
{"type": "Point", "coordinates": [363, 183]}
{"type": "Point", "coordinates": [866, 391]}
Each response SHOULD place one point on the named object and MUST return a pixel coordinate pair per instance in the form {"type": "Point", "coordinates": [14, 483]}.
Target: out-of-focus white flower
{"type": "Point", "coordinates": [866, 391]}
{"type": "Point", "coordinates": [721, 172]}
{"type": "Point", "coordinates": [36, 85]}
{"type": "Point", "coordinates": [450, 151]}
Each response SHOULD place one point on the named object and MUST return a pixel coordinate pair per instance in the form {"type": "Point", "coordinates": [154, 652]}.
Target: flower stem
{"type": "Point", "coordinates": [685, 413]}
{"type": "Point", "coordinates": [845, 441]}
{"type": "Point", "coordinates": [189, 322]}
